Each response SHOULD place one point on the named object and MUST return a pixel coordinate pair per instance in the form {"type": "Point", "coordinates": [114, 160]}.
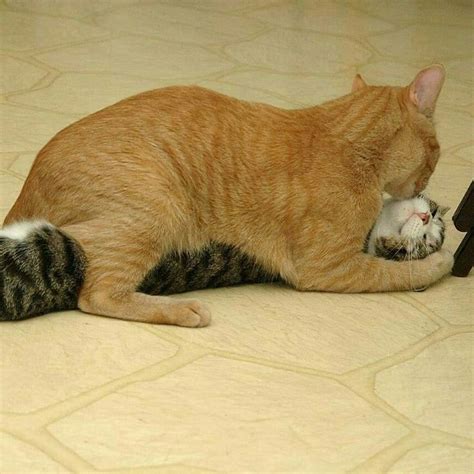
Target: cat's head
{"type": "Point", "coordinates": [412, 154]}
{"type": "Point", "coordinates": [418, 228]}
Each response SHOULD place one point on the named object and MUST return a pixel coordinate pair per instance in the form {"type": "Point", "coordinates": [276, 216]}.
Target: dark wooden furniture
{"type": "Point", "coordinates": [463, 219]}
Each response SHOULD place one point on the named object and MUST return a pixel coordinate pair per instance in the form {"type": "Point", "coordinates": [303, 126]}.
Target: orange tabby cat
{"type": "Point", "coordinates": [297, 189]}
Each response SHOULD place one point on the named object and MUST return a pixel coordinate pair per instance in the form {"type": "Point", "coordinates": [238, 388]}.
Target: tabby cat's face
{"type": "Point", "coordinates": [409, 229]}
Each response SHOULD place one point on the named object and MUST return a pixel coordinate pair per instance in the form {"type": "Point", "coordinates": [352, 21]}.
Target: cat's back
{"type": "Point", "coordinates": [163, 134]}
{"type": "Point", "coordinates": [165, 118]}
{"type": "Point", "coordinates": [194, 104]}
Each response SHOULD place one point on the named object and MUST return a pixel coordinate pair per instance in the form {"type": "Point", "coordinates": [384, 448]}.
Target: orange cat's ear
{"type": "Point", "coordinates": [358, 83]}
{"type": "Point", "coordinates": [425, 89]}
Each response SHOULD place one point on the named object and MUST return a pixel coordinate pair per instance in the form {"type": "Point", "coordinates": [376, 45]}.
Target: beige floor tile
{"type": "Point", "coordinates": [20, 457]}
{"type": "Point", "coordinates": [7, 159]}
{"type": "Point", "coordinates": [141, 57]}
{"type": "Point", "coordinates": [71, 8]}
{"type": "Point", "coordinates": [436, 459]}
{"type": "Point", "coordinates": [86, 352]}
{"type": "Point", "coordinates": [435, 388]}
{"type": "Point", "coordinates": [454, 302]}
{"type": "Point", "coordinates": [41, 31]}
{"type": "Point", "coordinates": [466, 154]}
{"type": "Point", "coordinates": [334, 333]}
{"type": "Point", "coordinates": [439, 12]}
{"type": "Point", "coordinates": [175, 23]}
{"type": "Point", "coordinates": [323, 16]}
{"type": "Point", "coordinates": [9, 189]}
{"type": "Point", "coordinates": [211, 412]}
{"type": "Point", "coordinates": [85, 93]}
{"type": "Point", "coordinates": [288, 51]}
{"type": "Point", "coordinates": [226, 6]}
{"type": "Point", "coordinates": [16, 75]}
{"type": "Point", "coordinates": [301, 91]}
{"type": "Point", "coordinates": [461, 69]}
{"type": "Point", "coordinates": [454, 128]}
{"type": "Point", "coordinates": [21, 163]}
{"type": "Point", "coordinates": [420, 43]}
{"type": "Point", "coordinates": [25, 129]}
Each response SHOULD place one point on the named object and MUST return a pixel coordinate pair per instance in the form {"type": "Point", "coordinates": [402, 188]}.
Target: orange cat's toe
{"type": "Point", "coordinates": [190, 313]}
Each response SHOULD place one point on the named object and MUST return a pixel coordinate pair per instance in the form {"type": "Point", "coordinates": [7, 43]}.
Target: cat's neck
{"type": "Point", "coordinates": [356, 115]}
{"type": "Point", "coordinates": [368, 119]}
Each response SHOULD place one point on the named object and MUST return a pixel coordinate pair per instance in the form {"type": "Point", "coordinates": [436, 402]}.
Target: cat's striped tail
{"type": "Point", "coordinates": [41, 270]}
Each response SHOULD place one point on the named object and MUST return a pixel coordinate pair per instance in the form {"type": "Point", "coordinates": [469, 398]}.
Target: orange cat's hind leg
{"type": "Point", "coordinates": [116, 264]}
{"type": "Point", "coordinates": [134, 306]}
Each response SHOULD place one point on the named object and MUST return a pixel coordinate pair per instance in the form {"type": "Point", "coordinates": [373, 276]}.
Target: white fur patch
{"type": "Point", "coordinates": [398, 218]}
{"type": "Point", "coordinates": [21, 230]}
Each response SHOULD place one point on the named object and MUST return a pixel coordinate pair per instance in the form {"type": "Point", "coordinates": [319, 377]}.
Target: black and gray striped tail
{"type": "Point", "coordinates": [41, 270]}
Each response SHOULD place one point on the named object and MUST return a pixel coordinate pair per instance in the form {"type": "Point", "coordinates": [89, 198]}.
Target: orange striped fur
{"type": "Point", "coordinates": [297, 189]}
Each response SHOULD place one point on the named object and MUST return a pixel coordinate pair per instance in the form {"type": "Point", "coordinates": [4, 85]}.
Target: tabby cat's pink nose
{"type": "Point", "coordinates": [424, 216]}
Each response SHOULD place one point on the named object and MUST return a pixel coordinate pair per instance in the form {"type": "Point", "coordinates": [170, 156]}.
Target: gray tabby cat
{"type": "Point", "coordinates": [42, 269]}
{"type": "Point", "coordinates": [410, 229]}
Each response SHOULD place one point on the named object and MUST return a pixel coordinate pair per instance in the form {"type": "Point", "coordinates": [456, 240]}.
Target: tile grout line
{"type": "Point", "coordinates": [361, 382]}
{"type": "Point", "coordinates": [48, 415]}
{"type": "Point", "coordinates": [383, 460]}
{"type": "Point", "coordinates": [365, 388]}
{"type": "Point", "coordinates": [32, 427]}
{"type": "Point", "coordinates": [48, 445]}
{"type": "Point", "coordinates": [51, 414]}
{"type": "Point", "coordinates": [163, 468]}
{"type": "Point", "coordinates": [422, 308]}
{"type": "Point", "coordinates": [14, 174]}
{"type": "Point", "coordinates": [413, 350]}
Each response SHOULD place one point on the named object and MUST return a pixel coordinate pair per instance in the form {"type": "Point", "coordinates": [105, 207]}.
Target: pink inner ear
{"type": "Point", "coordinates": [425, 89]}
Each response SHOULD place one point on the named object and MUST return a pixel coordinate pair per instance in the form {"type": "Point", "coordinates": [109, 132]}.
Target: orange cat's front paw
{"type": "Point", "coordinates": [446, 261]}
{"type": "Point", "coordinates": [189, 313]}
{"type": "Point", "coordinates": [440, 263]}
{"type": "Point", "coordinates": [432, 268]}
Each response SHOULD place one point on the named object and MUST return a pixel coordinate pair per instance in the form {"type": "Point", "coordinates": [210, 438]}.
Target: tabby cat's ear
{"type": "Point", "coordinates": [425, 89]}
{"type": "Point", "coordinates": [443, 210]}
{"type": "Point", "coordinates": [358, 83]}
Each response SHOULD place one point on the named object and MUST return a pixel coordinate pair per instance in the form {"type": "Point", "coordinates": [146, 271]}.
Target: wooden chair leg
{"type": "Point", "coordinates": [464, 256]}
{"type": "Point", "coordinates": [463, 219]}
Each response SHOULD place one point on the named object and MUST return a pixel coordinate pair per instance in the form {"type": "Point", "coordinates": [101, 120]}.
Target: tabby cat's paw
{"type": "Point", "coordinates": [191, 313]}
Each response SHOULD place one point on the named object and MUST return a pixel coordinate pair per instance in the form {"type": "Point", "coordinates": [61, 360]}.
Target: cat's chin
{"type": "Point", "coordinates": [399, 191]}
{"type": "Point", "coordinates": [400, 195]}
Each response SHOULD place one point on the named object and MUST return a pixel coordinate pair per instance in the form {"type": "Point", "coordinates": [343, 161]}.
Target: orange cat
{"type": "Point", "coordinates": [298, 190]}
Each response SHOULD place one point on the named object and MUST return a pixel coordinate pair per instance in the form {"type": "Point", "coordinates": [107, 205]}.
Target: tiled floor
{"type": "Point", "coordinates": [281, 381]}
